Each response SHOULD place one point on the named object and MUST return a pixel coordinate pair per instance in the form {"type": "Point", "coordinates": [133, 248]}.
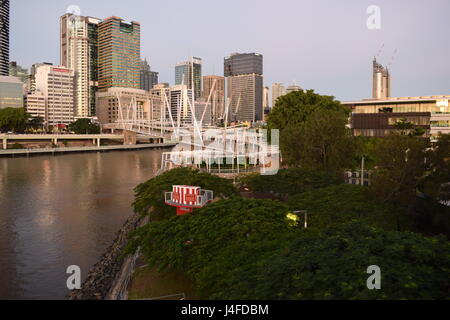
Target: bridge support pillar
{"type": "Point", "coordinates": [98, 142]}
{"type": "Point", "coordinates": [5, 144]}
{"type": "Point", "coordinates": [129, 138]}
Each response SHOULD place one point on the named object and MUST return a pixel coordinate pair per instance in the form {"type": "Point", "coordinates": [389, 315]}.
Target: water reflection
{"type": "Point", "coordinates": [61, 211]}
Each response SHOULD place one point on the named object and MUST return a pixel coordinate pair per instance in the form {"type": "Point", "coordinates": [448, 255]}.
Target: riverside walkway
{"type": "Point", "coordinates": [55, 151]}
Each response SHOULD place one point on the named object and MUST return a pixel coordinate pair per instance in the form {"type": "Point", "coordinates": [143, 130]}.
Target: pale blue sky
{"type": "Point", "coordinates": [321, 44]}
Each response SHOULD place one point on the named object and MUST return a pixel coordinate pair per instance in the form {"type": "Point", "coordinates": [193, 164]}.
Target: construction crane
{"type": "Point", "coordinates": [394, 55]}
{"type": "Point", "coordinates": [379, 52]}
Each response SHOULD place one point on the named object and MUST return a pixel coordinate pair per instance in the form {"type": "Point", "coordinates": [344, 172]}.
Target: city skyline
{"type": "Point", "coordinates": [325, 46]}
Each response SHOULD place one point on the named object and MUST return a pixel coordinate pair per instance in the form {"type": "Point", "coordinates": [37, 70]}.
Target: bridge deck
{"type": "Point", "coordinates": [61, 136]}
{"type": "Point", "coordinates": [29, 152]}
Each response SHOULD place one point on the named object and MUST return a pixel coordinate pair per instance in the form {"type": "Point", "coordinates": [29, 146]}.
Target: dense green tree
{"type": "Point", "coordinates": [337, 205]}
{"type": "Point", "coordinates": [288, 182]}
{"type": "Point", "coordinates": [400, 166]}
{"type": "Point", "coordinates": [84, 126]}
{"type": "Point", "coordinates": [247, 249]}
{"type": "Point", "coordinates": [314, 131]}
{"type": "Point", "coordinates": [405, 127]}
{"type": "Point", "coordinates": [13, 119]}
{"type": "Point", "coordinates": [323, 143]}
{"type": "Point", "coordinates": [365, 148]}
{"type": "Point", "coordinates": [35, 123]}
{"type": "Point", "coordinates": [217, 243]}
{"type": "Point", "coordinates": [333, 263]}
{"type": "Point", "coordinates": [437, 182]}
{"type": "Point", "coordinates": [294, 109]}
{"type": "Point", "coordinates": [150, 196]}
{"type": "Point", "coordinates": [434, 205]}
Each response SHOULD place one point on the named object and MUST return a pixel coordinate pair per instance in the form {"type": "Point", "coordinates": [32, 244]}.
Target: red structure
{"type": "Point", "coordinates": [188, 198]}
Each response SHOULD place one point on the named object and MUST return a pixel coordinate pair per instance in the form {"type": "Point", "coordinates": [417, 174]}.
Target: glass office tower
{"type": "Point", "coordinates": [119, 46]}
{"type": "Point", "coordinates": [4, 37]}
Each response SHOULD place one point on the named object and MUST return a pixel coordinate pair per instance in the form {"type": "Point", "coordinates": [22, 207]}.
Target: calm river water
{"type": "Point", "coordinates": [61, 211]}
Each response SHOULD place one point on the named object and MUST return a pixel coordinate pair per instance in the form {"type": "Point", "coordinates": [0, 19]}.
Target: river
{"type": "Point", "coordinates": [61, 211]}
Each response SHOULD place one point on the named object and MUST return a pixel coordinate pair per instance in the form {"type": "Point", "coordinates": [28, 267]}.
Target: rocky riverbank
{"type": "Point", "coordinates": [100, 279]}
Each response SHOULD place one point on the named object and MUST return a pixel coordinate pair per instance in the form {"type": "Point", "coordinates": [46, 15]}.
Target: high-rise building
{"type": "Point", "coordinates": [266, 99]}
{"type": "Point", "coordinates": [35, 104]}
{"type": "Point", "coordinates": [56, 85]}
{"type": "Point", "coordinates": [203, 111]}
{"type": "Point", "coordinates": [11, 92]}
{"type": "Point", "coordinates": [245, 94]}
{"type": "Point", "coordinates": [111, 100]}
{"type": "Point", "coordinates": [119, 50]}
{"type": "Point", "coordinates": [32, 77]}
{"type": "Point", "coordinates": [4, 37]}
{"type": "Point", "coordinates": [381, 87]}
{"type": "Point", "coordinates": [243, 63]}
{"type": "Point", "coordinates": [244, 74]}
{"type": "Point", "coordinates": [148, 78]}
{"type": "Point", "coordinates": [293, 88]}
{"type": "Point", "coordinates": [161, 91]}
{"type": "Point", "coordinates": [278, 90]}
{"type": "Point", "coordinates": [181, 100]}
{"type": "Point", "coordinates": [17, 71]}
{"type": "Point", "coordinates": [214, 89]}
{"type": "Point", "coordinates": [79, 51]}
{"type": "Point", "coordinates": [189, 73]}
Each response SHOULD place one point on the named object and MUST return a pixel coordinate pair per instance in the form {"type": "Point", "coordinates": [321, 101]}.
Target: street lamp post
{"type": "Point", "coordinates": [305, 212]}
{"type": "Point", "coordinates": [362, 170]}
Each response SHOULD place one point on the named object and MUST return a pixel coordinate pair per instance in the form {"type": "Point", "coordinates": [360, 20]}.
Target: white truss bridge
{"type": "Point", "coordinates": [212, 148]}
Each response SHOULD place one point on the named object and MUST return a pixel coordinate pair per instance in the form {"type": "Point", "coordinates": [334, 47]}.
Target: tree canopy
{"type": "Point", "coordinates": [13, 119]}
{"type": "Point", "coordinates": [35, 123]}
{"type": "Point", "coordinates": [405, 127]}
{"type": "Point", "coordinates": [216, 243]}
{"type": "Point", "coordinates": [400, 166]}
{"type": "Point", "coordinates": [323, 143]}
{"type": "Point", "coordinates": [84, 126]}
{"type": "Point", "coordinates": [248, 249]}
{"type": "Point", "coordinates": [314, 131]}
{"type": "Point", "coordinates": [332, 264]}
{"type": "Point", "coordinates": [437, 181]}
{"type": "Point", "coordinates": [291, 181]}
{"type": "Point", "coordinates": [294, 109]}
{"type": "Point", "coordinates": [336, 205]}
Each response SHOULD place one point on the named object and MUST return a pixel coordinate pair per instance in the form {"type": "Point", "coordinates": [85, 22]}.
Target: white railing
{"type": "Point", "coordinates": [205, 198]}
{"type": "Point", "coordinates": [202, 200]}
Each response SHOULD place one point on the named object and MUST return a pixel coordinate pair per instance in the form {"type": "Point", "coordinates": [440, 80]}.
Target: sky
{"type": "Point", "coordinates": [323, 45]}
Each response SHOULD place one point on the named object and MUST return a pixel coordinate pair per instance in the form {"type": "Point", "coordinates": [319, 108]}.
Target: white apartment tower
{"type": "Point", "coordinates": [79, 51]}
{"type": "Point", "coordinates": [53, 97]}
{"type": "Point", "coordinates": [181, 104]}
{"type": "Point", "coordinates": [278, 90]}
{"type": "Point", "coordinates": [266, 99]}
